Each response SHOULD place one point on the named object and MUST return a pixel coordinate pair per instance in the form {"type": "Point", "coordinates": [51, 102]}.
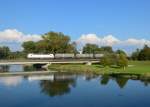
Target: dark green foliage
{"type": "Point", "coordinates": [121, 81]}
{"type": "Point", "coordinates": [143, 54]}
{"type": "Point", "coordinates": [94, 49]}
{"type": "Point", "coordinates": [29, 47]}
{"type": "Point", "coordinates": [90, 48]}
{"type": "Point", "coordinates": [122, 60]}
{"type": "Point", "coordinates": [121, 52]}
{"type": "Point", "coordinates": [119, 60]}
{"type": "Point", "coordinates": [107, 49]}
{"type": "Point", "coordinates": [52, 42]}
{"type": "Point", "coordinates": [135, 55]}
{"type": "Point", "coordinates": [4, 52]}
{"type": "Point", "coordinates": [57, 87]}
{"type": "Point", "coordinates": [17, 55]}
{"type": "Point", "coordinates": [108, 60]}
{"type": "Point", "coordinates": [104, 79]}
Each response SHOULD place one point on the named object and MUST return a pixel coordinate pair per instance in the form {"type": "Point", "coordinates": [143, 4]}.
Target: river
{"type": "Point", "coordinates": [71, 90]}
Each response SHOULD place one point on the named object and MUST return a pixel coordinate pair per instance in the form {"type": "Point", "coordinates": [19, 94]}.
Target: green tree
{"type": "Point", "coordinates": [135, 55]}
{"type": "Point", "coordinates": [108, 59]}
{"type": "Point", "coordinates": [144, 53]}
{"type": "Point", "coordinates": [58, 42]}
{"type": "Point", "coordinates": [4, 52]}
{"type": "Point", "coordinates": [121, 52]}
{"type": "Point", "coordinates": [29, 47]}
{"type": "Point", "coordinates": [105, 61]}
{"type": "Point", "coordinates": [122, 61]}
{"type": "Point", "coordinates": [17, 55]}
{"type": "Point", "coordinates": [107, 49]}
{"type": "Point", "coordinates": [52, 42]}
{"type": "Point", "coordinates": [42, 47]}
{"type": "Point", "coordinates": [90, 48]}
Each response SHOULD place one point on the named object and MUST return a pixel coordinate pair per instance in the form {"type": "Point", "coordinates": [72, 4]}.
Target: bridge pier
{"type": "Point", "coordinates": [89, 63]}
{"type": "Point", "coordinates": [46, 65]}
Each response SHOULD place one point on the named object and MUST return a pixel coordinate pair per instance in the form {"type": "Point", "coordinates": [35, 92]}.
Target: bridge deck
{"type": "Point", "coordinates": [23, 62]}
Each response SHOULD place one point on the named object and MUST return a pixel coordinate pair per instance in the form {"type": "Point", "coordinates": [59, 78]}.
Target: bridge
{"type": "Point", "coordinates": [55, 61]}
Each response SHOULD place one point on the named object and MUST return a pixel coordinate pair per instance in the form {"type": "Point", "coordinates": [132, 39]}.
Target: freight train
{"type": "Point", "coordinates": [63, 56]}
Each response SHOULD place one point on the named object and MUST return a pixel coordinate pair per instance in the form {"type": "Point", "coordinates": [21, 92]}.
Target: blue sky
{"type": "Point", "coordinates": [121, 18]}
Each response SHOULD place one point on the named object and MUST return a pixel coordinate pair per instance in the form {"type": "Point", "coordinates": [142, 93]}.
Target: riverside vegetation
{"type": "Point", "coordinates": [112, 62]}
{"type": "Point", "coordinates": [133, 68]}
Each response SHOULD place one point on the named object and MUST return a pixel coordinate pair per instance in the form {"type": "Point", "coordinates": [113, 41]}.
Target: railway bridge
{"type": "Point", "coordinates": [45, 62]}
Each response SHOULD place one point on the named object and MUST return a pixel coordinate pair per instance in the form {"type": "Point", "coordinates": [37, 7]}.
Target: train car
{"type": "Point", "coordinates": [98, 55]}
{"type": "Point", "coordinates": [40, 56]}
{"type": "Point", "coordinates": [64, 56]}
{"type": "Point", "coordinates": [84, 55]}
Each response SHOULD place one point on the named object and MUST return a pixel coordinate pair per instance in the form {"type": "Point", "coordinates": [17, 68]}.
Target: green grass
{"type": "Point", "coordinates": [135, 67]}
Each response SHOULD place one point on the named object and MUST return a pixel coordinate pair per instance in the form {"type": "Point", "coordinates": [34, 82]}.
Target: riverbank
{"type": "Point", "coordinates": [135, 67]}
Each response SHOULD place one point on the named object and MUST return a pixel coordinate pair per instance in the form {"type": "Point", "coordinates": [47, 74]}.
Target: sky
{"type": "Point", "coordinates": [122, 24]}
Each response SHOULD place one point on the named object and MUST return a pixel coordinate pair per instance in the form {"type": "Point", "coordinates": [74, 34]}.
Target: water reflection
{"type": "Point", "coordinates": [89, 77]}
{"type": "Point", "coordinates": [121, 81]}
{"type": "Point", "coordinates": [11, 81]}
{"type": "Point", "coordinates": [58, 84]}
{"type": "Point", "coordinates": [4, 68]}
{"type": "Point", "coordinates": [74, 90]}
{"type": "Point", "coordinates": [104, 79]}
{"type": "Point", "coordinates": [61, 85]}
{"type": "Point", "coordinates": [19, 68]}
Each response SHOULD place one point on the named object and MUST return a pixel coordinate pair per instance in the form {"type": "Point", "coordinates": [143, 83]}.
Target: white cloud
{"type": "Point", "coordinates": [13, 35]}
{"type": "Point", "coordinates": [89, 38]}
{"type": "Point", "coordinates": [110, 40]}
{"type": "Point", "coordinates": [136, 42]}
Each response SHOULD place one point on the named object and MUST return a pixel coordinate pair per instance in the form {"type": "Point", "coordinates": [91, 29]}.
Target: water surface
{"type": "Point", "coordinates": [72, 90]}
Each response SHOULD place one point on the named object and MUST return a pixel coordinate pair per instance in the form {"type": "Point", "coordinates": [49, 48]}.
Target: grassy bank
{"type": "Point", "coordinates": [135, 67]}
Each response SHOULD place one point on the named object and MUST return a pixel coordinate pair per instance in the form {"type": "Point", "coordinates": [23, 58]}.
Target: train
{"type": "Point", "coordinates": [63, 56]}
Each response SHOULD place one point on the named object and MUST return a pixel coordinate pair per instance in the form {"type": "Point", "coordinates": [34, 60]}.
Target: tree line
{"type": "Point", "coordinates": [57, 42]}
{"type": "Point", "coordinates": [141, 54]}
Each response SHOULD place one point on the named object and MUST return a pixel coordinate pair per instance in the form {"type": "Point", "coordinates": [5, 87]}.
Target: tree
{"type": "Point", "coordinates": [135, 55]}
{"type": "Point", "coordinates": [74, 46]}
{"type": "Point", "coordinates": [29, 47]}
{"type": "Point", "coordinates": [42, 47]}
{"type": "Point", "coordinates": [58, 42]}
{"type": "Point", "coordinates": [90, 48]}
{"type": "Point", "coordinates": [122, 61]}
{"type": "Point", "coordinates": [105, 61]}
{"type": "Point", "coordinates": [108, 59]}
{"type": "Point", "coordinates": [107, 49]}
{"type": "Point", "coordinates": [17, 55]}
{"type": "Point", "coordinates": [4, 52]}
{"type": "Point", "coordinates": [52, 42]}
{"type": "Point", "coordinates": [144, 53]}
{"type": "Point", "coordinates": [121, 52]}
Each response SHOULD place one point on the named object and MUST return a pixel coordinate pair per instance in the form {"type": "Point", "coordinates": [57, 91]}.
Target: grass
{"type": "Point", "coordinates": [135, 67]}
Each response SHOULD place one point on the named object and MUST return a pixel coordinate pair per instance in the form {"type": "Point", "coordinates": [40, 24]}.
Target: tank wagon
{"type": "Point", "coordinates": [64, 56]}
